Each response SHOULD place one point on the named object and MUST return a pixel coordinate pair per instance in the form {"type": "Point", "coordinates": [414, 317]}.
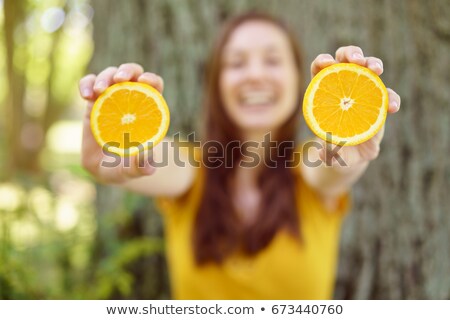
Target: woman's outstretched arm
{"type": "Point", "coordinates": [341, 167]}
{"type": "Point", "coordinates": [135, 173]}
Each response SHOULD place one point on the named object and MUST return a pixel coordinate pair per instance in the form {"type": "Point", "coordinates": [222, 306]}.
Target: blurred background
{"type": "Point", "coordinates": [62, 236]}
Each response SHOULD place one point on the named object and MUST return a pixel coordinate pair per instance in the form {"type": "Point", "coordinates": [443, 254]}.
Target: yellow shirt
{"type": "Point", "coordinates": [285, 269]}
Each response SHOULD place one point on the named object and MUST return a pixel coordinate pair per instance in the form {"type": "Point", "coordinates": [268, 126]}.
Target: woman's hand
{"type": "Point", "coordinates": [369, 149]}
{"type": "Point", "coordinates": [92, 155]}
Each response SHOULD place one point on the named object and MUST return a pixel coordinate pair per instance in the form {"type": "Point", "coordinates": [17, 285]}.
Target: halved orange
{"type": "Point", "coordinates": [129, 117]}
{"type": "Point", "coordinates": [345, 104]}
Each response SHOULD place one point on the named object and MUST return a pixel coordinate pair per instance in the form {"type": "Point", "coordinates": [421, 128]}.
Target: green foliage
{"type": "Point", "coordinates": [57, 241]}
{"type": "Point", "coordinates": [49, 246]}
{"type": "Point", "coordinates": [112, 274]}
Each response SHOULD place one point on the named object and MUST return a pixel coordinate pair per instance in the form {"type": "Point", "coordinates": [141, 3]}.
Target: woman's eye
{"type": "Point", "coordinates": [273, 61]}
{"type": "Point", "coordinates": [235, 64]}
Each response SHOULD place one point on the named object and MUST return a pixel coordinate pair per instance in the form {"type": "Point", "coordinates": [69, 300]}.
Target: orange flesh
{"type": "Point", "coordinates": [125, 102]}
{"type": "Point", "coordinates": [339, 89]}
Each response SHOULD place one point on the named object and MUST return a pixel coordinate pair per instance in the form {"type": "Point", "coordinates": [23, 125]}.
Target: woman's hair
{"type": "Point", "coordinates": [218, 230]}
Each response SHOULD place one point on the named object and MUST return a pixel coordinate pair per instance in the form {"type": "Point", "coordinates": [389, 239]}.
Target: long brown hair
{"type": "Point", "coordinates": [218, 231]}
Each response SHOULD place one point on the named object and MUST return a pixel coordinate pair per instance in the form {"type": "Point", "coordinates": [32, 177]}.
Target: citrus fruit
{"type": "Point", "coordinates": [129, 117]}
{"type": "Point", "coordinates": [345, 104]}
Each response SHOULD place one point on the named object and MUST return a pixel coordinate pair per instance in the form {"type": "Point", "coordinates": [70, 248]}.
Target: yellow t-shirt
{"type": "Point", "coordinates": [285, 269]}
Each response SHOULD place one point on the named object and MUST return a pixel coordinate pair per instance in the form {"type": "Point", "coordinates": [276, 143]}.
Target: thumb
{"type": "Point", "coordinates": [137, 166]}
{"type": "Point", "coordinates": [336, 155]}
{"type": "Point", "coordinates": [144, 162]}
{"type": "Point", "coordinates": [326, 153]}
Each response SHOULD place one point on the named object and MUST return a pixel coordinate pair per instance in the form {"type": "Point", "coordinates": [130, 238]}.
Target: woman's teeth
{"type": "Point", "coordinates": [257, 98]}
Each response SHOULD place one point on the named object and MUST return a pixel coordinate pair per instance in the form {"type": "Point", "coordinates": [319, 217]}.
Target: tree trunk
{"type": "Point", "coordinates": [25, 132]}
{"type": "Point", "coordinates": [14, 12]}
{"type": "Point", "coordinates": [395, 244]}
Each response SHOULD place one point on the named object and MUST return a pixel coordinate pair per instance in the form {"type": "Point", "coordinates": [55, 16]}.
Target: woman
{"type": "Point", "coordinates": [233, 230]}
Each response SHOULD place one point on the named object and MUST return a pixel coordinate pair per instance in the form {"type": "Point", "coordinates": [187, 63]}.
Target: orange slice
{"type": "Point", "coordinates": [347, 101]}
{"type": "Point", "coordinates": [129, 117]}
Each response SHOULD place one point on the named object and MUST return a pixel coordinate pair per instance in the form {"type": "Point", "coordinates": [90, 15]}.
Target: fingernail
{"type": "Point", "coordinates": [395, 104]}
{"type": "Point", "coordinates": [101, 85]}
{"type": "Point", "coordinates": [122, 74]}
{"type": "Point", "coordinates": [86, 93]}
{"type": "Point", "coordinates": [327, 59]}
{"type": "Point", "coordinates": [357, 56]}
{"type": "Point", "coordinates": [378, 65]}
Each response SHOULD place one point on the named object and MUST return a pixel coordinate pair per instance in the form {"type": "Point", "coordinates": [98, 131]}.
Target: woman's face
{"type": "Point", "coordinates": [259, 78]}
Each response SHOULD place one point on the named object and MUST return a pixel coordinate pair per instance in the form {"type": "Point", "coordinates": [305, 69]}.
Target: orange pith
{"type": "Point", "coordinates": [347, 101]}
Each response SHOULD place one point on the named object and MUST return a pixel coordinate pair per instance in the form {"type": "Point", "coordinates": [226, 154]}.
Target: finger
{"type": "Point", "coordinates": [89, 107]}
{"type": "Point", "coordinates": [320, 62]}
{"type": "Point", "coordinates": [137, 166]}
{"type": "Point", "coordinates": [152, 79]}
{"type": "Point", "coordinates": [115, 169]}
{"type": "Point", "coordinates": [86, 87]}
{"type": "Point", "coordinates": [145, 162]}
{"type": "Point", "coordinates": [379, 135]}
{"type": "Point", "coordinates": [128, 72]}
{"type": "Point", "coordinates": [326, 154]}
{"type": "Point", "coordinates": [394, 101]}
{"type": "Point", "coordinates": [110, 167]}
{"type": "Point", "coordinates": [322, 153]}
{"type": "Point", "coordinates": [104, 80]}
{"type": "Point", "coordinates": [369, 150]}
{"type": "Point", "coordinates": [374, 64]}
{"type": "Point", "coordinates": [351, 54]}
{"type": "Point", "coordinates": [90, 149]}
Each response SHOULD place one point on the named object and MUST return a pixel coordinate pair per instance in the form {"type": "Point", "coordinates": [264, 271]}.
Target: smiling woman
{"type": "Point", "coordinates": [234, 232]}
{"type": "Point", "coordinates": [260, 77]}
{"type": "Point", "coordinates": [253, 90]}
